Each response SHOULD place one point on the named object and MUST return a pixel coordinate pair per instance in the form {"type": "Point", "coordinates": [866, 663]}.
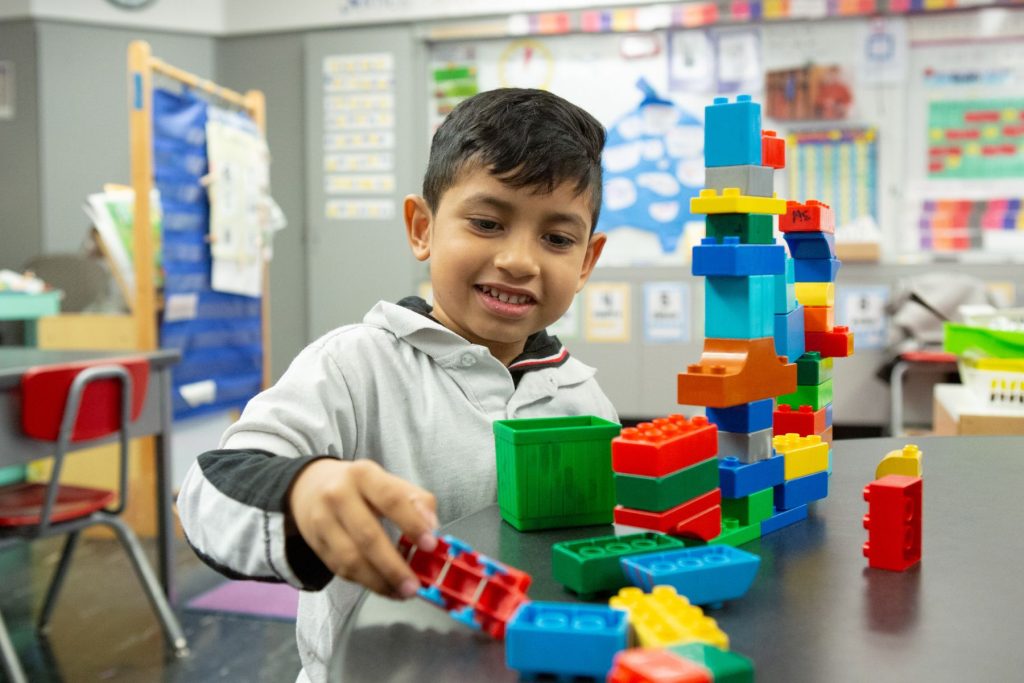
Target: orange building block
{"type": "Point", "coordinates": [655, 665]}
{"type": "Point", "coordinates": [812, 216]}
{"type": "Point", "coordinates": [735, 371]}
{"type": "Point", "coordinates": [819, 318]}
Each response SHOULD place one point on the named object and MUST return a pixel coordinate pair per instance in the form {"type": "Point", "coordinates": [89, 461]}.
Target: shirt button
{"type": "Point", "coordinates": [468, 360]}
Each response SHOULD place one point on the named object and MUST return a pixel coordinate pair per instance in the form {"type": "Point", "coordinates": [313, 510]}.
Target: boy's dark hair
{"type": "Point", "coordinates": [526, 138]}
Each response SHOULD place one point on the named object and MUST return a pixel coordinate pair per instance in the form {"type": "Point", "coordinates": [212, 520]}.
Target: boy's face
{"type": "Point", "coordinates": [504, 262]}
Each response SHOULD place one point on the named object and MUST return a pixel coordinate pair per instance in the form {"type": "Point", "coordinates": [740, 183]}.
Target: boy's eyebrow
{"type": "Point", "coordinates": [509, 207]}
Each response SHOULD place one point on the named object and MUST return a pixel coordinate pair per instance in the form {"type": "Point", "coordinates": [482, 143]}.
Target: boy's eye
{"type": "Point", "coordinates": [484, 225]}
{"type": "Point", "coordinates": [560, 241]}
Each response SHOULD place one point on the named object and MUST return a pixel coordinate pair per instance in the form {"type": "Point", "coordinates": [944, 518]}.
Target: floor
{"type": "Point", "coordinates": [103, 628]}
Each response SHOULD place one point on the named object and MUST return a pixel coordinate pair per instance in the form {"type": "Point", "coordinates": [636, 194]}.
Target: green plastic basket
{"type": "Point", "coordinates": [555, 472]}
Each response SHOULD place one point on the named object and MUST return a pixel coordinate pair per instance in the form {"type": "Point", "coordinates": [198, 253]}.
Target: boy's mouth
{"type": "Point", "coordinates": [505, 297]}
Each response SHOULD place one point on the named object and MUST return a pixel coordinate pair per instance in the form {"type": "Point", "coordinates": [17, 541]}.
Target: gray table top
{"type": "Point", "coordinates": [816, 612]}
{"type": "Point", "coordinates": [15, 360]}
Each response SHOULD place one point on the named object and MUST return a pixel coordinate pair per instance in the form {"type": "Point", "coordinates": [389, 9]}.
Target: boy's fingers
{"type": "Point", "coordinates": [410, 507]}
{"type": "Point", "coordinates": [376, 550]}
{"type": "Point", "coordinates": [340, 554]}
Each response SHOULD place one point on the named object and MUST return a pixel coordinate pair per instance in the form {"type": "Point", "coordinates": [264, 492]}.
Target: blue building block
{"type": "Point", "coordinates": [789, 334]}
{"type": "Point", "coordinates": [782, 519]}
{"type": "Point", "coordinates": [828, 415]}
{"type": "Point", "coordinates": [730, 258]}
{"type": "Point", "coordinates": [706, 575]}
{"type": "Point", "coordinates": [738, 480]}
{"type": "Point", "coordinates": [732, 132]}
{"type": "Point", "coordinates": [785, 289]}
{"type": "Point", "coordinates": [816, 270]}
{"type": "Point", "coordinates": [565, 639]}
{"type": "Point", "coordinates": [811, 245]}
{"type": "Point", "coordinates": [739, 307]}
{"type": "Point", "coordinates": [746, 417]}
{"type": "Point", "coordinates": [800, 491]}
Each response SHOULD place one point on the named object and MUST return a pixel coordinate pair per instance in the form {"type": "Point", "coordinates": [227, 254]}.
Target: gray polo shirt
{"type": "Point", "coordinates": [400, 389]}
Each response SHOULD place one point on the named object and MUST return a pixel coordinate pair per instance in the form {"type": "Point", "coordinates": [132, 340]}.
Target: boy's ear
{"type": "Point", "coordinates": [594, 249]}
{"type": "Point", "coordinates": [418, 222]}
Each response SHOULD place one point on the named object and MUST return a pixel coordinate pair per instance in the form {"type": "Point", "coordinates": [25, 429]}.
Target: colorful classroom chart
{"type": "Point", "coordinates": [838, 166]}
{"type": "Point", "coordinates": [976, 139]}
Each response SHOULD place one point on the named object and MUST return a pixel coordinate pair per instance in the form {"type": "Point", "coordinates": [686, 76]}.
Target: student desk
{"type": "Point", "coordinates": [155, 420]}
{"type": "Point", "coordinates": [815, 611]}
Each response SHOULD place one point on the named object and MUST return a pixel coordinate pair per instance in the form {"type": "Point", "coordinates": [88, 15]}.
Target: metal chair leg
{"type": "Point", "coordinates": [172, 629]}
{"type": "Point", "coordinates": [58, 580]}
{"type": "Point", "coordinates": [9, 657]}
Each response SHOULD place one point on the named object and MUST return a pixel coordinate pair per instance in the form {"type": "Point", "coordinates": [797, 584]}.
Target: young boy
{"type": "Point", "coordinates": [370, 413]}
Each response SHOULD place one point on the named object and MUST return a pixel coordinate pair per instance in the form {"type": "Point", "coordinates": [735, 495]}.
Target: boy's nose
{"type": "Point", "coordinates": [517, 259]}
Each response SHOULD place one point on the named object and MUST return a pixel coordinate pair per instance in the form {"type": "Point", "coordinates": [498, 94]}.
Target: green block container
{"type": "Point", "coordinates": [725, 666]}
{"type": "Point", "coordinates": [555, 472]}
{"type": "Point", "coordinates": [656, 494]}
{"type": "Point", "coordinates": [751, 509]}
{"type": "Point", "coordinates": [751, 228]}
{"type": "Point", "coordinates": [971, 339]}
{"type": "Point", "coordinates": [812, 369]}
{"type": "Point", "coordinates": [592, 566]}
{"type": "Point", "coordinates": [815, 395]}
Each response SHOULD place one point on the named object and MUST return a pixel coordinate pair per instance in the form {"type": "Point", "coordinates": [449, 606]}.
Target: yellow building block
{"type": "Point", "coordinates": [906, 461]}
{"type": "Point", "coordinates": [731, 201]}
{"type": "Point", "coordinates": [816, 293]}
{"type": "Point", "coordinates": [804, 454]}
{"type": "Point", "coordinates": [663, 617]}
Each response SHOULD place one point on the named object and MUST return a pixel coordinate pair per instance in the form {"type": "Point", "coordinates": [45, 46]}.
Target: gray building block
{"type": "Point", "coordinates": [755, 181]}
{"type": "Point", "coordinates": [749, 448]}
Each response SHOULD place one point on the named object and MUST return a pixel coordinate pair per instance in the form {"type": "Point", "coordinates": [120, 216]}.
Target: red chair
{"type": "Point", "coordinates": [75, 403]}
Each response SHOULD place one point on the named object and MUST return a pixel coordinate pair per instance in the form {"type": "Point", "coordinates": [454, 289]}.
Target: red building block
{"type": "Point", "coordinates": [773, 150]}
{"type": "Point", "coordinates": [805, 421]}
{"type": "Point", "coordinates": [819, 318]}
{"type": "Point", "coordinates": [836, 343]}
{"type": "Point", "coordinates": [735, 371]}
{"type": "Point", "coordinates": [700, 517]}
{"type": "Point", "coordinates": [664, 446]}
{"type": "Point", "coordinates": [654, 665]}
{"type": "Point", "coordinates": [456, 578]}
{"type": "Point", "coordinates": [813, 216]}
{"type": "Point", "coordinates": [893, 522]}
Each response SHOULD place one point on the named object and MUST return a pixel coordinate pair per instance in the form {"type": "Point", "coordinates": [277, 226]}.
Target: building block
{"type": "Point", "coordinates": [732, 132]}
{"type": "Point", "coordinates": [785, 292]}
{"type": "Point", "coordinates": [814, 246]}
{"type": "Point", "coordinates": [705, 575]}
{"type": "Point", "coordinates": [804, 421]}
{"type": "Point", "coordinates": [824, 270]}
{"type": "Point", "coordinates": [734, 533]}
{"type": "Point", "coordinates": [664, 446]}
{"type": "Point", "coordinates": [750, 509]}
{"type": "Point", "coordinates": [476, 590]}
{"type": "Point", "coordinates": [655, 665]}
{"type": "Point", "coordinates": [751, 228]}
{"type": "Point", "coordinates": [725, 666]}
{"type": "Point", "coordinates": [826, 436]}
{"type": "Point", "coordinates": [661, 493]}
{"type": "Point", "coordinates": [747, 417]}
{"type": "Point", "coordinates": [663, 617]}
{"type": "Point", "coordinates": [804, 454]}
{"type": "Point", "coordinates": [812, 216]}
{"type": "Point", "coordinates": [836, 343]}
{"type": "Point", "coordinates": [735, 371]}
{"type": "Point", "coordinates": [555, 472]}
{"type": "Point", "coordinates": [815, 293]}
{"type": "Point", "coordinates": [773, 150]}
{"type": "Point", "coordinates": [564, 639]}
{"type": "Point", "coordinates": [698, 517]}
{"type": "Point", "coordinates": [811, 368]}
{"type": "Point", "coordinates": [728, 257]}
{"type": "Point", "coordinates": [906, 461]}
{"type": "Point", "coordinates": [591, 565]}
{"type": "Point", "coordinates": [747, 447]}
{"type": "Point", "coordinates": [893, 522]}
{"type": "Point", "coordinates": [817, 319]}
{"type": "Point", "coordinates": [757, 181]}
{"type": "Point", "coordinates": [783, 518]}
{"type": "Point", "coordinates": [738, 480]}
{"type": "Point", "coordinates": [828, 415]}
{"type": "Point", "coordinates": [801, 491]}
{"type": "Point", "coordinates": [731, 201]}
{"type": "Point", "coordinates": [739, 307]}
{"type": "Point", "coordinates": [813, 395]}
{"type": "Point", "coordinates": [789, 334]}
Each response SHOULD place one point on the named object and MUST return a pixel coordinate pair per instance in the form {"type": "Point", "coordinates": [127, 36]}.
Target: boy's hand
{"type": "Point", "coordinates": [336, 506]}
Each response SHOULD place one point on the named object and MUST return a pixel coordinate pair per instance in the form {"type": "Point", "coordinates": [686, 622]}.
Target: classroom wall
{"type": "Point", "coordinates": [19, 150]}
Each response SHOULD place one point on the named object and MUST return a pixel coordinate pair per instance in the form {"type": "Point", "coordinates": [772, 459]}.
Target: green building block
{"type": "Point", "coordinates": [592, 566]}
{"type": "Point", "coordinates": [751, 509]}
{"type": "Point", "coordinates": [661, 493]}
{"type": "Point", "coordinates": [812, 369]}
{"type": "Point", "coordinates": [815, 395]}
{"type": "Point", "coordinates": [736, 534]}
{"type": "Point", "coordinates": [751, 228]}
{"type": "Point", "coordinates": [555, 472]}
{"type": "Point", "coordinates": [725, 666]}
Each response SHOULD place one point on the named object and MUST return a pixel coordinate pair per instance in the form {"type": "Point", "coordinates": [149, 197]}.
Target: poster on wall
{"type": "Point", "coordinates": [809, 93]}
{"type": "Point", "coordinates": [607, 312]}
{"type": "Point", "coordinates": [453, 78]}
{"type": "Point", "coordinates": [863, 311]}
{"type": "Point", "coordinates": [976, 139]}
{"type": "Point", "coordinates": [666, 312]}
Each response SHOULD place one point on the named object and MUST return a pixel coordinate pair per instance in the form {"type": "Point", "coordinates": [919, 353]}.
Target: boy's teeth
{"type": "Point", "coordinates": [506, 298]}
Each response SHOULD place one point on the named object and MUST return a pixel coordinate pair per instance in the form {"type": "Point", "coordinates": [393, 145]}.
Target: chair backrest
{"type": "Point", "coordinates": [44, 397]}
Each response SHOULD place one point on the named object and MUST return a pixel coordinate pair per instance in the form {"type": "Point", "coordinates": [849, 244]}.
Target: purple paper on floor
{"type": "Point", "coordinates": [250, 598]}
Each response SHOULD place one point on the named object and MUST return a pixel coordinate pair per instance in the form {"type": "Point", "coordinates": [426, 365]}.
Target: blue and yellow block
{"type": "Point", "coordinates": [803, 455]}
